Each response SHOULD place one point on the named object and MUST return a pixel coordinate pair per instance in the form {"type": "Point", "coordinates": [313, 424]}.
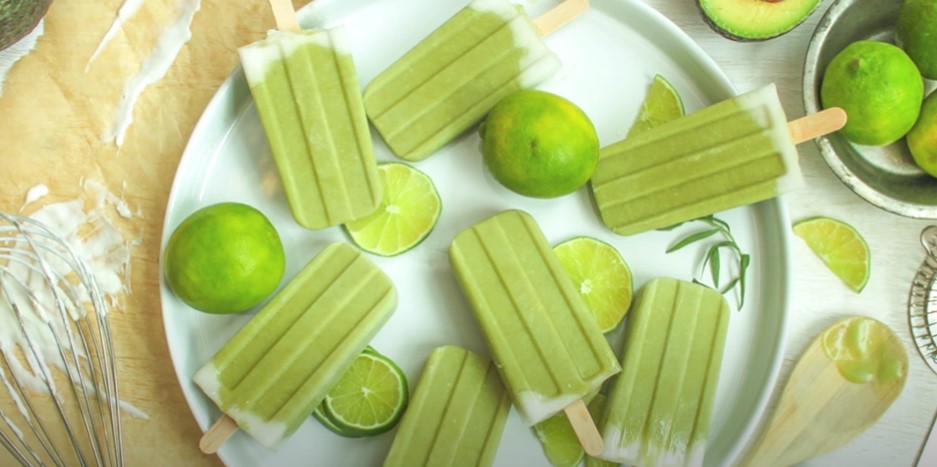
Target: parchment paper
{"type": "Point", "coordinates": [53, 114]}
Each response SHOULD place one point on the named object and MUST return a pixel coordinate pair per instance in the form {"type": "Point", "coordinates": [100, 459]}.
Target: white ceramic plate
{"type": "Point", "coordinates": [610, 54]}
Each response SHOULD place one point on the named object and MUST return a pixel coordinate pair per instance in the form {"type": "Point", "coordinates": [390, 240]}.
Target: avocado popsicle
{"type": "Point", "coordinates": [733, 153]}
{"type": "Point", "coordinates": [305, 86]}
{"type": "Point", "coordinates": [548, 347]}
{"type": "Point", "coordinates": [277, 369]}
{"type": "Point", "coordinates": [659, 408]}
{"type": "Point", "coordinates": [457, 413]}
{"type": "Point", "coordinates": [449, 80]}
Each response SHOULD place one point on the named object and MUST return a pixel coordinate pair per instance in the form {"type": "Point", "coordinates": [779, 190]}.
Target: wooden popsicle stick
{"type": "Point", "coordinates": [284, 15]}
{"type": "Point", "coordinates": [821, 123]}
{"type": "Point", "coordinates": [559, 15]}
{"type": "Point", "coordinates": [584, 426]}
{"type": "Point", "coordinates": [212, 440]}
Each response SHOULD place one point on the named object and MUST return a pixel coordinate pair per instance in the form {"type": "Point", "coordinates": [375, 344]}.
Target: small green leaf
{"type": "Point", "coordinates": [729, 286]}
{"type": "Point", "coordinates": [728, 244]}
{"type": "Point", "coordinates": [744, 261]}
{"type": "Point", "coordinates": [694, 237]}
{"type": "Point", "coordinates": [712, 259]}
{"type": "Point", "coordinates": [714, 264]}
{"type": "Point", "coordinates": [721, 223]}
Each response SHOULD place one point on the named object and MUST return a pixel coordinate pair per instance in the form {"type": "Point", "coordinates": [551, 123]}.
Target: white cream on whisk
{"type": "Point", "coordinates": [87, 225]}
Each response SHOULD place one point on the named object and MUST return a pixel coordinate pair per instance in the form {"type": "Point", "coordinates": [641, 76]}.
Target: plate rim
{"type": "Point", "coordinates": [697, 55]}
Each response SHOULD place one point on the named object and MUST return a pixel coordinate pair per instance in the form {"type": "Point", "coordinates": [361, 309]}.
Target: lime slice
{"type": "Point", "coordinates": [559, 441]}
{"type": "Point", "coordinates": [369, 398]}
{"type": "Point", "coordinates": [661, 105]}
{"type": "Point", "coordinates": [597, 410]}
{"type": "Point", "coordinates": [407, 214]}
{"type": "Point", "coordinates": [602, 277]}
{"type": "Point", "coordinates": [840, 247]}
{"type": "Point", "coordinates": [324, 418]}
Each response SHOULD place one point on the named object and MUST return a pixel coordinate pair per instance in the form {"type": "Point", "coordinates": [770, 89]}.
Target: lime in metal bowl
{"type": "Point", "coordinates": [884, 176]}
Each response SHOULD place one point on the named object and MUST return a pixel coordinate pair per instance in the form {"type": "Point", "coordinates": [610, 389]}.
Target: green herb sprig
{"type": "Point", "coordinates": [713, 258]}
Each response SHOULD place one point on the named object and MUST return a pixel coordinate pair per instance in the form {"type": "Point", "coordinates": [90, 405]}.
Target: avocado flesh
{"type": "Point", "coordinates": [18, 18]}
{"type": "Point", "coordinates": [755, 20]}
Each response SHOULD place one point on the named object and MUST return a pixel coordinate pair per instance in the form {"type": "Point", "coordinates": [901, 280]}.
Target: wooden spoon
{"type": "Point", "coordinates": [833, 394]}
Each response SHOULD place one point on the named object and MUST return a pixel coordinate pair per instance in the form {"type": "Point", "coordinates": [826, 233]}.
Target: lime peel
{"type": "Point", "coordinates": [602, 277]}
{"type": "Point", "coordinates": [369, 399]}
{"type": "Point", "coordinates": [841, 248]}
{"type": "Point", "coordinates": [559, 441]}
{"type": "Point", "coordinates": [662, 104]}
{"type": "Point", "coordinates": [406, 216]}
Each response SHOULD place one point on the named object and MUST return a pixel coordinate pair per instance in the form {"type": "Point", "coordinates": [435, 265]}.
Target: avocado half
{"type": "Point", "coordinates": [18, 18]}
{"type": "Point", "coordinates": [755, 20]}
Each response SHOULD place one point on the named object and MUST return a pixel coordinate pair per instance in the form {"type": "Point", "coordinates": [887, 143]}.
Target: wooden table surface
{"type": "Point", "coordinates": [51, 118]}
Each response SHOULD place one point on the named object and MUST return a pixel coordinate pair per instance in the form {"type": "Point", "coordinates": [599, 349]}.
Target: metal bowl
{"type": "Point", "coordinates": [885, 176]}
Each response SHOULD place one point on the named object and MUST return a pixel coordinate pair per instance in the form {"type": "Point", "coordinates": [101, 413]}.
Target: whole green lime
{"type": "Point", "coordinates": [224, 258]}
{"type": "Point", "coordinates": [922, 139]}
{"type": "Point", "coordinates": [539, 144]}
{"type": "Point", "coordinates": [880, 89]}
{"type": "Point", "coordinates": [916, 33]}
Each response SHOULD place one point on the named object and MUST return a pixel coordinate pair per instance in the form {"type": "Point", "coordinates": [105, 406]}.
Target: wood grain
{"type": "Point", "coordinates": [820, 411]}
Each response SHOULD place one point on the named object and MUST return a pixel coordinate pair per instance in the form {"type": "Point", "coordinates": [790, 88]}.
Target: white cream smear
{"type": "Point", "coordinates": [124, 13]}
{"type": "Point", "coordinates": [30, 340]}
{"type": "Point", "coordinates": [171, 41]}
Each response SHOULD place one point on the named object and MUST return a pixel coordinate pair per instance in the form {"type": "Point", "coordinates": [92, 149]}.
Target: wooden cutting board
{"type": "Point", "coordinates": [53, 114]}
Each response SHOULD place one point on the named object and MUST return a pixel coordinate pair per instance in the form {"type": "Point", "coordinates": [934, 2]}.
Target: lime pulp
{"type": "Point", "coordinates": [369, 398]}
{"type": "Point", "coordinates": [602, 277]}
{"type": "Point", "coordinates": [661, 105]}
{"type": "Point", "coordinates": [841, 248]}
{"type": "Point", "coordinates": [407, 214]}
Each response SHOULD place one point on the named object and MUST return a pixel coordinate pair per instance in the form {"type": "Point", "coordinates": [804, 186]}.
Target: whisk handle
{"type": "Point", "coordinates": [212, 440]}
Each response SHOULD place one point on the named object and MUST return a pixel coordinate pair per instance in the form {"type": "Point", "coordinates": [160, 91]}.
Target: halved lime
{"type": "Point", "coordinates": [407, 214]}
{"type": "Point", "coordinates": [370, 397]}
{"type": "Point", "coordinates": [840, 247]}
{"type": "Point", "coordinates": [661, 105]}
{"type": "Point", "coordinates": [559, 441]}
{"type": "Point", "coordinates": [601, 275]}
{"type": "Point", "coordinates": [597, 410]}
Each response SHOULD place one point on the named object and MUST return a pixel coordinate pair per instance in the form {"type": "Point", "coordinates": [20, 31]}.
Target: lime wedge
{"type": "Point", "coordinates": [602, 277]}
{"type": "Point", "coordinates": [407, 214]}
{"type": "Point", "coordinates": [661, 105]}
{"type": "Point", "coordinates": [840, 247]}
{"type": "Point", "coordinates": [559, 441]}
{"type": "Point", "coordinates": [597, 410]}
{"type": "Point", "coordinates": [370, 397]}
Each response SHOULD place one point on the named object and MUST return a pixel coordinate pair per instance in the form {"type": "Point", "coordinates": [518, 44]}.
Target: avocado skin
{"type": "Point", "coordinates": [713, 23]}
{"type": "Point", "coordinates": [18, 18]}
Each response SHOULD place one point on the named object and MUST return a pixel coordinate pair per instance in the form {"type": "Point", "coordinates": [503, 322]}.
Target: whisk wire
{"type": "Point", "coordinates": [922, 300]}
{"type": "Point", "coordinates": [50, 291]}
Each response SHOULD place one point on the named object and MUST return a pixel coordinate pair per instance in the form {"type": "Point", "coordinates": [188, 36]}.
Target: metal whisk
{"type": "Point", "coordinates": [56, 353]}
{"type": "Point", "coordinates": [922, 303]}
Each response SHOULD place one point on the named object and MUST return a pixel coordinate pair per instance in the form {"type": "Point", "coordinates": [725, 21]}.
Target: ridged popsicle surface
{"type": "Point", "coordinates": [547, 345]}
{"type": "Point", "coordinates": [457, 413]}
{"type": "Point", "coordinates": [659, 409]}
{"type": "Point", "coordinates": [273, 373]}
{"type": "Point", "coordinates": [449, 80]}
{"type": "Point", "coordinates": [306, 90]}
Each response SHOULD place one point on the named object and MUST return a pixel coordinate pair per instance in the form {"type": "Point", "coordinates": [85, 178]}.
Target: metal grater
{"type": "Point", "coordinates": [922, 302]}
